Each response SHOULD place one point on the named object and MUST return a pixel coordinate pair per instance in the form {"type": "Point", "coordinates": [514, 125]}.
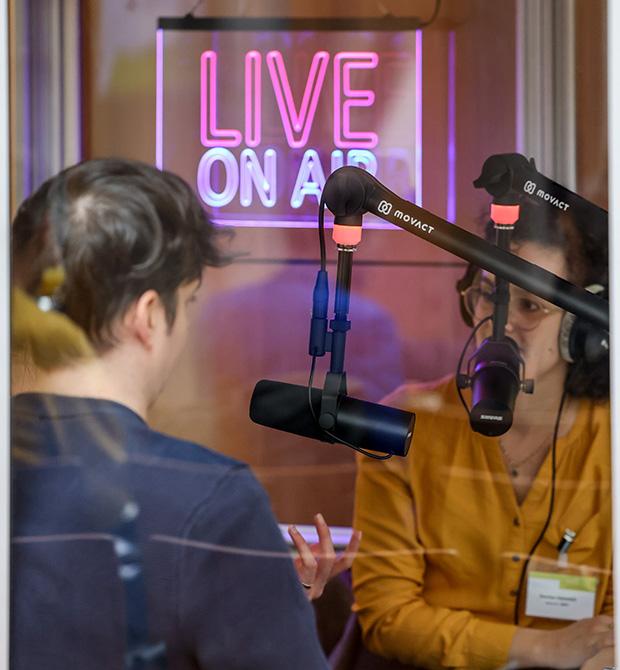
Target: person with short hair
{"type": "Point", "coordinates": [132, 548]}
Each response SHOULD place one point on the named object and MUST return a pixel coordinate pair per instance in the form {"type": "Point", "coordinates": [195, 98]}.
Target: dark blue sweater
{"type": "Point", "coordinates": [125, 539]}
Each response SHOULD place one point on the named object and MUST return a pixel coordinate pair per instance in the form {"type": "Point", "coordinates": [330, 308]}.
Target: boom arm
{"type": "Point", "coordinates": [513, 176]}
{"type": "Point", "coordinates": [351, 191]}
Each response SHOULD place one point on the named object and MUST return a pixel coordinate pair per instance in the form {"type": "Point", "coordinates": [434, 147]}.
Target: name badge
{"type": "Point", "coordinates": [553, 595]}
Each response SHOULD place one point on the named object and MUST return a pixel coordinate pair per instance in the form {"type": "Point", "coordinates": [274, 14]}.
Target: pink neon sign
{"type": "Point", "coordinates": [297, 123]}
{"type": "Point", "coordinates": [264, 120]}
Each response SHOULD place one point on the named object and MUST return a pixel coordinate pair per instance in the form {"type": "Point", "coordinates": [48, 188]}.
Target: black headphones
{"type": "Point", "coordinates": [578, 340]}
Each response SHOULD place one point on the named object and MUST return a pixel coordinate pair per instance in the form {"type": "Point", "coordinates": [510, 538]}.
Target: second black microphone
{"type": "Point", "coordinates": [361, 423]}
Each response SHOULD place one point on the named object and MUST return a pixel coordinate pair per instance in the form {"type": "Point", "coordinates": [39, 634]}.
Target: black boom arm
{"type": "Point", "coordinates": [351, 191]}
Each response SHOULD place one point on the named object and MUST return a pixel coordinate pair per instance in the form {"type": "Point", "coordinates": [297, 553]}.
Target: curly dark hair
{"type": "Point", "coordinates": [585, 245]}
{"type": "Point", "coordinates": [123, 227]}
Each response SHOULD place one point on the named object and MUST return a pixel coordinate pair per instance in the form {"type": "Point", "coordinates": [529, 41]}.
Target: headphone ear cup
{"type": "Point", "coordinates": [596, 346]}
{"type": "Point", "coordinates": [567, 348]}
{"type": "Point", "coordinates": [579, 339]}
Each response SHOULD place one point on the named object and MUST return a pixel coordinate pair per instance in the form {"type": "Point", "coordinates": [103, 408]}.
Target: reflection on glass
{"type": "Point", "coordinates": [132, 547]}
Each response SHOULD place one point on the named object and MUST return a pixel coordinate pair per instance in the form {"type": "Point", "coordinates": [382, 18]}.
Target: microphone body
{"type": "Point", "coordinates": [361, 423]}
{"type": "Point", "coordinates": [495, 382]}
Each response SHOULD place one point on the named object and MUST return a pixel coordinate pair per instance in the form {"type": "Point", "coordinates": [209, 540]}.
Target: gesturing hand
{"type": "Point", "coordinates": [317, 563]}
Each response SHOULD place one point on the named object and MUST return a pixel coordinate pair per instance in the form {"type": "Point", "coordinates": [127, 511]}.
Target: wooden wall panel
{"type": "Point", "coordinates": [591, 103]}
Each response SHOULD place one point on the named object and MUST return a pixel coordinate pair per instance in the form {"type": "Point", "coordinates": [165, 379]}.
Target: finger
{"type": "Point", "coordinates": [325, 558]}
{"type": "Point", "coordinates": [608, 639]}
{"type": "Point", "coordinates": [604, 619]}
{"type": "Point", "coordinates": [325, 537]}
{"type": "Point", "coordinates": [603, 625]}
{"type": "Point", "coordinates": [354, 544]}
{"type": "Point", "coordinates": [307, 565]}
{"type": "Point", "coordinates": [344, 560]}
{"type": "Point", "coordinates": [303, 548]}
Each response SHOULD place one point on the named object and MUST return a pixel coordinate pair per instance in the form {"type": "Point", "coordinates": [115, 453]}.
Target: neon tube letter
{"type": "Point", "coordinates": [363, 158]}
{"type": "Point", "coordinates": [210, 135]}
{"type": "Point", "coordinates": [310, 179]}
{"type": "Point", "coordinates": [297, 125]}
{"type": "Point", "coordinates": [344, 62]}
{"type": "Point", "coordinates": [253, 100]}
{"type": "Point", "coordinates": [203, 178]}
{"type": "Point", "coordinates": [251, 172]}
{"type": "Point", "coordinates": [337, 159]}
{"type": "Point", "coordinates": [358, 157]}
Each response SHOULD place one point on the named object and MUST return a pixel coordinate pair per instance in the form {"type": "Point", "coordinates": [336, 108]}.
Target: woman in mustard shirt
{"type": "Point", "coordinates": [444, 578]}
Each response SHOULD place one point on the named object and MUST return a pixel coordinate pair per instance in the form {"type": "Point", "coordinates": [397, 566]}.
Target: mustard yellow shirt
{"type": "Point", "coordinates": [444, 537]}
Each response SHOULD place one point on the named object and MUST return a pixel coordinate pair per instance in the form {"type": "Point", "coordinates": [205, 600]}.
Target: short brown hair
{"type": "Point", "coordinates": [122, 228]}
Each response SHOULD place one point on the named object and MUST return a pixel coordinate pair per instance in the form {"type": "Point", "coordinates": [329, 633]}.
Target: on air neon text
{"type": "Point", "coordinates": [250, 175]}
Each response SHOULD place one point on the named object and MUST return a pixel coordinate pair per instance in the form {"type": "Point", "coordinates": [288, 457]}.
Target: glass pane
{"type": "Point", "coordinates": [153, 520]}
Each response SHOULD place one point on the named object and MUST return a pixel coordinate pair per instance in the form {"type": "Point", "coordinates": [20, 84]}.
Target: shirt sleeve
{"type": "Point", "coordinates": [239, 596]}
{"type": "Point", "coordinates": [388, 577]}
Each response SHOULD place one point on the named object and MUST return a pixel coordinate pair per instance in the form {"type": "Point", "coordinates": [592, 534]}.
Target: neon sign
{"type": "Point", "coordinates": [258, 129]}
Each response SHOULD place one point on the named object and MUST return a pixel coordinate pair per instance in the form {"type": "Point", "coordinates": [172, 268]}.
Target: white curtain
{"type": "Point", "coordinates": [46, 88]}
{"type": "Point", "coordinates": [546, 87]}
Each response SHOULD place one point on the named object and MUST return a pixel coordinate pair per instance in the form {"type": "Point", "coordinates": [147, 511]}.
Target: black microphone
{"type": "Point", "coordinates": [495, 381]}
{"type": "Point", "coordinates": [494, 371]}
{"type": "Point", "coordinates": [363, 424]}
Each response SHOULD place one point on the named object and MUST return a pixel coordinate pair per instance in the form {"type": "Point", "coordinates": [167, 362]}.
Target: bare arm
{"type": "Point", "coordinates": [567, 647]}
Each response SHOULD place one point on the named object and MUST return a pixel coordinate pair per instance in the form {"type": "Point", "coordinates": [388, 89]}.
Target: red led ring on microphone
{"type": "Point", "coordinates": [504, 215]}
{"type": "Point", "coordinates": [347, 236]}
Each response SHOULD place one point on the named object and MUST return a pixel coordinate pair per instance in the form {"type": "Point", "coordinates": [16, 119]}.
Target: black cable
{"type": "Point", "coordinates": [551, 505]}
{"type": "Point", "coordinates": [435, 14]}
{"type": "Point", "coordinates": [310, 382]}
{"type": "Point", "coordinates": [321, 230]}
{"type": "Point", "coordinates": [369, 454]}
{"type": "Point", "coordinates": [462, 356]}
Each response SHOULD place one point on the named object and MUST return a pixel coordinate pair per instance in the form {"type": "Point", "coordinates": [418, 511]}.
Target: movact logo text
{"type": "Point", "coordinates": [530, 188]}
{"type": "Point", "coordinates": [385, 207]}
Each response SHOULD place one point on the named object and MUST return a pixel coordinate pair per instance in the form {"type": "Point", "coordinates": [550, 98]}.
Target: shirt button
{"type": "Point", "coordinates": [516, 558]}
{"type": "Point", "coordinates": [516, 522]}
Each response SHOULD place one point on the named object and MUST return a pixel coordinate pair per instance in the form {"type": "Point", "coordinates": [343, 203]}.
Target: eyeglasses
{"type": "Point", "coordinates": [526, 310]}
